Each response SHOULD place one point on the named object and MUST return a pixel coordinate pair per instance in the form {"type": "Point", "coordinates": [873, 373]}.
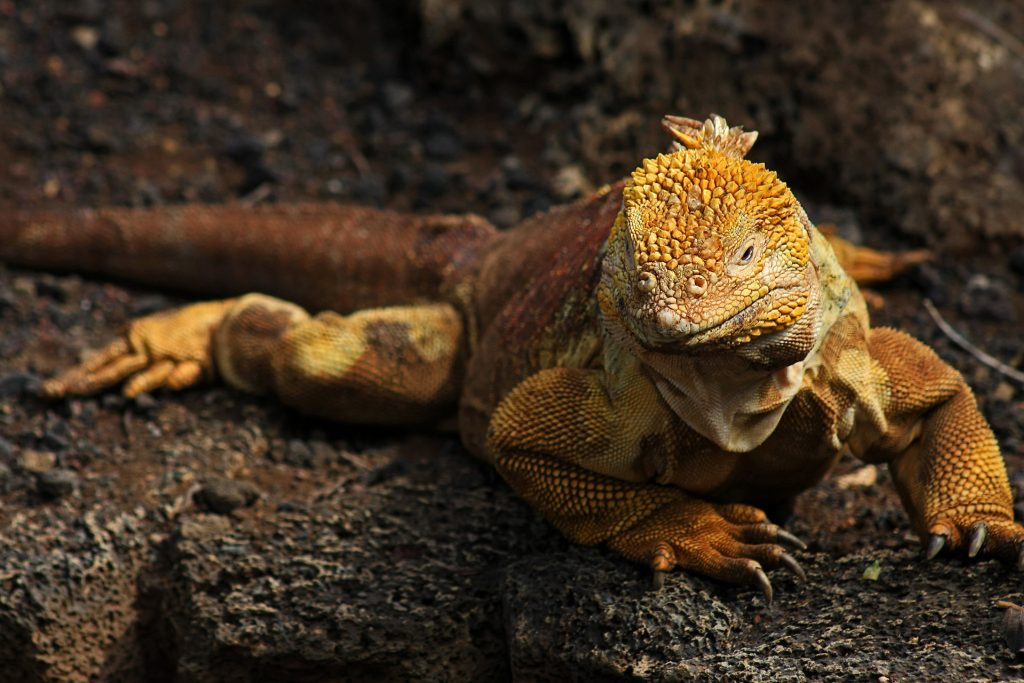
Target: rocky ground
{"type": "Point", "coordinates": [211, 536]}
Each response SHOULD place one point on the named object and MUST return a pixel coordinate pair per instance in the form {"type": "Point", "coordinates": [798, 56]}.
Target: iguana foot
{"type": "Point", "coordinates": [169, 349]}
{"type": "Point", "coordinates": [977, 533]}
{"type": "Point", "coordinates": [733, 543]}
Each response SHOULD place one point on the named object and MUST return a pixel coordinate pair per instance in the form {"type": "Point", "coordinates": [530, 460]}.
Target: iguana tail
{"type": "Point", "coordinates": [322, 256]}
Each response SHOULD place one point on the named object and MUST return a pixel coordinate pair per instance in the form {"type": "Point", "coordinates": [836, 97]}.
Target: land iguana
{"type": "Point", "coordinates": [648, 367]}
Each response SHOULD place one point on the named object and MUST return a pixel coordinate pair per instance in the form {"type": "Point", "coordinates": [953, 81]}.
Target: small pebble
{"type": "Point", "coordinates": [222, 495]}
{"type": "Point", "coordinates": [443, 145]}
{"type": "Point", "coordinates": [8, 299]}
{"type": "Point", "coordinates": [145, 402]}
{"type": "Point", "coordinates": [1013, 626]}
{"type": "Point", "coordinates": [985, 297]}
{"type": "Point", "coordinates": [298, 454]}
{"type": "Point", "coordinates": [505, 216]}
{"type": "Point", "coordinates": [36, 461]}
{"type": "Point", "coordinates": [113, 401]}
{"type": "Point", "coordinates": [56, 483]}
{"type": "Point", "coordinates": [395, 468]}
{"type": "Point", "coordinates": [932, 282]}
{"type": "Point", "coordinates": [1004, 392]}
{"type": "Point", "coordinates": [85, 37]}
{"type": "Point", "coordinates": [397, 96]}
{"type": "Point", "coordinates": [18, 384]}
{"type": "Point", "coordinates": [54, 288]}
{"type": "Point", "coordinates": [147, 304]}
{"type": "Point", "coordinates": [517, 177]}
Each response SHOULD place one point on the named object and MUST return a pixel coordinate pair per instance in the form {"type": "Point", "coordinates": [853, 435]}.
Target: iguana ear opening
{"type": "Point", "coordinates": [714, 134]}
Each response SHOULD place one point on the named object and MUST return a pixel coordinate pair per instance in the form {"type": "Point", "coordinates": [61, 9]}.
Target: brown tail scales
{"type": "Point", "coordinates": [320, 255]}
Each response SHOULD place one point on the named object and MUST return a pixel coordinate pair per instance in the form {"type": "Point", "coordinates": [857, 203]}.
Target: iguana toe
{"type": "Point", "coordinates": [731, 543]}
{"type": "Point", "coordinates": [989, 537]}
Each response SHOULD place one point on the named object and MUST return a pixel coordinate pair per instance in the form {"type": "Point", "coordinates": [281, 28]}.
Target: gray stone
{"type": "Point", "coordinates": [56, 483]}
{"type": "Point", "coordinates": [224, 495]}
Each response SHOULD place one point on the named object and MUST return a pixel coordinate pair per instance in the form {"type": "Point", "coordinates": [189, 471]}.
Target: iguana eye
{"type": "Point", "coordinates": [745, 255]}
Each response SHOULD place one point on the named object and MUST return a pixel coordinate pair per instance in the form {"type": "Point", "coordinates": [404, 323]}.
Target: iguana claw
{"type": "Point", "coordinates": [786, 537]}
{"type": "Point", "coordinates": [170, 349]}
{"type": "Point", "coordinates": [977, 539]}
{"type": "Point", "coordinates": [765, 585]}
{"type": "Point", "coordinates": [976, 536]}
{"type": "Point", "coordinates": [935, 545]}
{"type": "Point", "coordinates": [790, 563]}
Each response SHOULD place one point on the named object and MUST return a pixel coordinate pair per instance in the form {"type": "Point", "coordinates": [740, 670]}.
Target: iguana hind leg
{"type": "Point", "coordinates": [394, 365]}
{"type": "Point", "coordinates": [870, 266]}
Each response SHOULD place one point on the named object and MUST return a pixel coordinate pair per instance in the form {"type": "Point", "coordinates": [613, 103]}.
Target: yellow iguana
{"type": "Point", "coordinates": [646, 366]}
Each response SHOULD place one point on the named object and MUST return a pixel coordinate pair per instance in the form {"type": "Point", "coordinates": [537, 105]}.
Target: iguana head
{"type": "Point", "coordinates": [710, 251]}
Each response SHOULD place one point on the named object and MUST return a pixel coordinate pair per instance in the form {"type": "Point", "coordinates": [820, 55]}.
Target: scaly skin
{"type": "Point", "coordinates": [645, 367]}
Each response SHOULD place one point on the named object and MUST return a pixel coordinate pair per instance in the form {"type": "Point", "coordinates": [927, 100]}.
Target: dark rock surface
{"type": "Point", "coordinates": [371, 555]}
{"type": "Point", "coordinates": [69, 595]}
{"type": "Point", "coordinates": [599, 623]}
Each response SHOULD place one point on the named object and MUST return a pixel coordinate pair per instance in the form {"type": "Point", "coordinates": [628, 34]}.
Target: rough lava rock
{"type": "Point", "coordinates": [69, 595]}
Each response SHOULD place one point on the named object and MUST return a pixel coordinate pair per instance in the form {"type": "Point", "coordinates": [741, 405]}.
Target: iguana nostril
{"type": "Point", "coordinates": [647, 282]}
{"type": "Point", "coordinates": [697, 285]}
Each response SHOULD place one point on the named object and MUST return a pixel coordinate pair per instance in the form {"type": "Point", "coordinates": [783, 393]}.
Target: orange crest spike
{"type": "Point", "coordinates": [712, 134]}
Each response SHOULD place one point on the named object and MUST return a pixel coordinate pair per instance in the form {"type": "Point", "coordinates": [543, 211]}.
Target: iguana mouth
{"type": "Point", "coordinates": [688, 338]}
{"type": "Point", "coordinates": [730, 327]}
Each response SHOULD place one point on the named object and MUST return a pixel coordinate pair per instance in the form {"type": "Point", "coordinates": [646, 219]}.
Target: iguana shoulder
{"type": "Point", "coordinates": [531, 304]}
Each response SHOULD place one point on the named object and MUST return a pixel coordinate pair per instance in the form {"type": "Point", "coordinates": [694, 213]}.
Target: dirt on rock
{"type": "Point", "coordinates": [214, 536]}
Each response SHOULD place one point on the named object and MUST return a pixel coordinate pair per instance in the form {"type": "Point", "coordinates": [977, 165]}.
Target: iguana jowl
{"type": "Point", "coordinates": [644, 366]}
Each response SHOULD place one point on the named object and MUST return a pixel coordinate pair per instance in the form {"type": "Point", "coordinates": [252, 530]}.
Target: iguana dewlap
{"type": "Point", "coordinates": [644, 366]}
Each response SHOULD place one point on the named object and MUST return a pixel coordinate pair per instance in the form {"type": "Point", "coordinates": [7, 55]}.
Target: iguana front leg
{"type": "Point", "coordinates": [942, 453]}
{"type": "Point", "coordinates": [394, 365]}
{"type": "Point", "coordinates": [574, 451]}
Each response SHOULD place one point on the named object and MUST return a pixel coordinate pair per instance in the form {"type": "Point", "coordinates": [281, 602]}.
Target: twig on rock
{"type": "Point", "coordinates": [958, 339]}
